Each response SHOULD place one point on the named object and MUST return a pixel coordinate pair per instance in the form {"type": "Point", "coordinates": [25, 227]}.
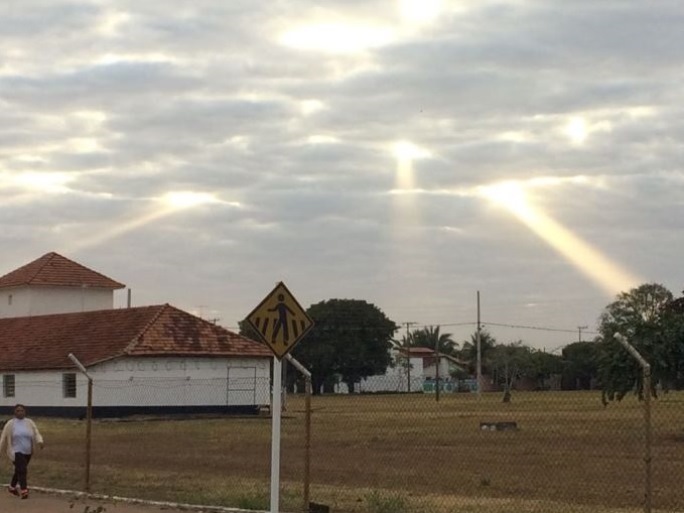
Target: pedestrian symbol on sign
{"type": "Point", "coordinates": [282, 310]}
{"type": "Point", "coordinates": [280, 321]}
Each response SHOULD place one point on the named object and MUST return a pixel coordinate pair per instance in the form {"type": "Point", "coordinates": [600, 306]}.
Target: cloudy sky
{"type": "Point", "coordinates": [408, 153]}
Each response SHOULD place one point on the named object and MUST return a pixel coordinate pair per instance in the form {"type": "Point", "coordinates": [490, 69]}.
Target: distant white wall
{"type": "Point", "coordinates": [445, 368]}
{"type": "Point", "coordinates": [39, 300]}
{"type": "Point", "coordinates": [164, 381]}
{"type": "Point", "coordinates": [395, 379]}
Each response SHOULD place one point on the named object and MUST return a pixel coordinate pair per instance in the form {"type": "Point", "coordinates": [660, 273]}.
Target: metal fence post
{"type": "Point", "coordinates": [89, 418]}
{"type": "Point", "coordinates": [648, 435]}
{"type": "Point", "coordinates": [307, 444]}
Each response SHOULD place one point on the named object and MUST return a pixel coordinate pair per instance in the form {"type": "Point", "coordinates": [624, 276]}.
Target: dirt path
{"type": "Point", "coordinates": [47, 503]}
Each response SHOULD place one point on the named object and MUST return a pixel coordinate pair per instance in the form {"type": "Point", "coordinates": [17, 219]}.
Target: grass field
{"type": "Point", "coordinates": [392, 454]}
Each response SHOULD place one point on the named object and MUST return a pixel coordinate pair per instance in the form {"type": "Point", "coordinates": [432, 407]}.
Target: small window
{"type": "Point", "coordinates": [9, 299]}
{"type": "Point", "coordinates": [69, 384]}
{"type": "Point", "coordinates": [8, 385]}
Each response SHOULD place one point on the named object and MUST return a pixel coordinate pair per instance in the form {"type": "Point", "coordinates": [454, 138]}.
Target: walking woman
{"type": "Point", "coordinates": [19, 439]}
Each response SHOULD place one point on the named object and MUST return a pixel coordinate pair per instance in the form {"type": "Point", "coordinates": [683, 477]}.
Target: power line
{"type": "Point", "coordinates": [473, 323]}
{"type": "Point", "coordinates": [537, 328]}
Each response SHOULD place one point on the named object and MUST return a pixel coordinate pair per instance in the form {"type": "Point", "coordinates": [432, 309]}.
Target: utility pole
{"type": "Point", "coordinates": [478, 337]}
{"type": "Point", "coordinates": [579, 331]}
{"type": "Point", "coordinates": [437, 363]}
{"type": "Point", "coordinates": [408, 355]}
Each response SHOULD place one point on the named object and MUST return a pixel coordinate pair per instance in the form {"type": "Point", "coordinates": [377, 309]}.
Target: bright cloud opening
{"type": "Point", "coordinates": [187, 199]}
{"type": "Point", "coordinates": [337, 38]}
{"type": "Point", "coordinates": [322, 139]}
{"type": "Point", "coordinates": [309, 107]}
{"type": "Point", "coordinates": [576, 130]}
{"type": "Point", "coordinates": [420, 11]}
{"type": "Point", "coordinates": [406, 150]}
{"type": "Point", "coordinates": [49, 182]}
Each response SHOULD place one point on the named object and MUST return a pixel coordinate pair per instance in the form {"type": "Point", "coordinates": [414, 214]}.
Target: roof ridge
{"type": "Point", "coordinates": [161, 308]}
{"type": "Point", "coordinates": [49, 258]}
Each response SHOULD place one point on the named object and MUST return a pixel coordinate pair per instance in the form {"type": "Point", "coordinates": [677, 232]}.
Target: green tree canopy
{"type": "Point", "coordinates": [351, 338]}
{"type": "Point", "coordinates": [580, 365]}
{"type": "Point", "coordinates": [645, 316]}
{"type": "Point", "coordinates": [510, 362]}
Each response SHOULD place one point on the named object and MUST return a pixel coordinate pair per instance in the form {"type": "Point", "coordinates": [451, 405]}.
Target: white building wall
{"type": "Point", "coordinates": [395, 379]}
{"type": "Point", "coordinates": [14, 302]}
{"type": "Point", "coordinates": [39, 300]}
{"type": "Point", "coordinates": [445, 367]}
{"type": "Point", "coordinates": [164, 381]}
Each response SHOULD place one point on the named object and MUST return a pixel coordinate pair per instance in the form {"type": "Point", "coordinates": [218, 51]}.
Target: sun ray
{"type": "Point", "coordinates": [163, 206]}
{"type": "Point", "coordinates": [611, 277]}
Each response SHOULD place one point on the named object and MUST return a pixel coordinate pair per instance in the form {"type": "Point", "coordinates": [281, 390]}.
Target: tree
{"type": "Point", "coordinates": [468, 351]}
{"type": "Point", "coordinates": [431, 337]}
{"type": "Point", "coordinates": [510, 362]}
{"type": "Point", "coordinates": [351, 339]}
{"type": "Point", "coordinates": [580, 365]}
{"type": "Point", "coordinates": [646, 317]}
{"type": "Point", "coordinates": [543, 366]}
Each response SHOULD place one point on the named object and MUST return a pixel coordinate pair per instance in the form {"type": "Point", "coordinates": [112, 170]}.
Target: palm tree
{"type": "Point", "coordinates": [469, 350]}
{"type": "Point", "coordinates": [431, 337]}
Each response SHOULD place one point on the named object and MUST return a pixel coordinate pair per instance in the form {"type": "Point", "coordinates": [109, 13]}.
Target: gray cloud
{"type": "Point", "coordinates": [105, 110]}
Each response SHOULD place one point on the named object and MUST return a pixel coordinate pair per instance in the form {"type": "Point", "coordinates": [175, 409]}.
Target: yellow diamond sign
{"type": "Point", "coordinates": [280, 320]}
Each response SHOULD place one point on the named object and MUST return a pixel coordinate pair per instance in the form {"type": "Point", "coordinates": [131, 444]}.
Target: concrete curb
{"type": "Point", "coordinates": [142, 502]}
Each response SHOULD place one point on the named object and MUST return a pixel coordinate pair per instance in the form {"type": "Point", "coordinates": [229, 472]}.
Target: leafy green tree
{"type": "Point", "coordinates": [246, 330]}
{"type": "Point", "coordinates": [543, 366]}
{"type": "Point", "coordinates": [580, 365]}
{"type": "Point", "coordinates": [510, 362]}
{"type": "Point", "coordinates": [351, 339]}
{"type": "Point", "coordinates": [431, 337]}
{"type": "Point", "coordinates": [646, 317]}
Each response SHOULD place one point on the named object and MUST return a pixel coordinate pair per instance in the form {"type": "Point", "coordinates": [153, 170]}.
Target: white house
{"type": "Point", "coordinates": [396, 377]}
{"type": "Point", "coordinates": [144, 360]}
{"type": "Point", "coordinates": [422, 372]}
{"type": "Point", "coordinates": [54, 284]}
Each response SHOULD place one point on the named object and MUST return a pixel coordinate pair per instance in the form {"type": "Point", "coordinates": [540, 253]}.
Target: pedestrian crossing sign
{"type": "Point", "coordinates": [280, 321]}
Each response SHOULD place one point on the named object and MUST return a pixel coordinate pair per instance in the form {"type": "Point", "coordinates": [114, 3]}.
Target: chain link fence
{"type": "Point", "coordinates": [379, 452]}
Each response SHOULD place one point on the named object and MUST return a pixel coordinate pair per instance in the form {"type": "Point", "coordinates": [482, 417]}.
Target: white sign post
{"type": "Point", "coordinates": [281, 322]}
{"type": "Point", "coordinates": [276, 410]}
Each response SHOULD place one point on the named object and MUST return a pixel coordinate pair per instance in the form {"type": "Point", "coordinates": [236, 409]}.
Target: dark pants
{"type": "Point", "coordinates": [21, 462]}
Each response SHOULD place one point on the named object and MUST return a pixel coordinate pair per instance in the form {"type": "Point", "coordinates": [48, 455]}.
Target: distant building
{"type": "Point", "coordinates": [422, 371]}
{"type": "Point", "coordinates": [145, 360]}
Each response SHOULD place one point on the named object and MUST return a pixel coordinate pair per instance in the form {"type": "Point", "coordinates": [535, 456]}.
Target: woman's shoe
{"type": "Point", "coordinates": [12, 490]}
{"type": "Point", "coordinates": [24, 494]}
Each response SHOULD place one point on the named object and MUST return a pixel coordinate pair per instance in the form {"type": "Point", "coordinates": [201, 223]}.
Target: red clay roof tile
{"type": "Point", "coordinates": [54, 269]}
{"type": "Point", "coordinates": [43, 342]}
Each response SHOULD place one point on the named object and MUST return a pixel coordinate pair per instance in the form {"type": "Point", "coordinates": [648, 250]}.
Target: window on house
{"type": "Point", "coordinates": [69, 384]}
{"type": "Point", "coordinates": [8, 385]}
{"type": "Point", "coordinates": [9, 299]}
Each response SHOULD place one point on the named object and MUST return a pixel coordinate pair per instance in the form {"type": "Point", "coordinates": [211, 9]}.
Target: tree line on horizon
{"type": "Point", "coordinates": [353, 339]}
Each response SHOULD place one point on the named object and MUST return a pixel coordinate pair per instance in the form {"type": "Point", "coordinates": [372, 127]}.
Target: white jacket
{"type": "Point", "coordinates": [6, 438]}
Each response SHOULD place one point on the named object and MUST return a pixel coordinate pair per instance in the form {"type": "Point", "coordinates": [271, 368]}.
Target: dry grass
{"type": "Point", "coordinates": [401, 453]}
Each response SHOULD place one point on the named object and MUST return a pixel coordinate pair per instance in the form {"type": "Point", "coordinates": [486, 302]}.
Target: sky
{"type": "Point", "coordinates": [408, 153]}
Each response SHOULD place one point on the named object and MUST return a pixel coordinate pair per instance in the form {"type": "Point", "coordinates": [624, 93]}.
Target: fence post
{"type": "Point", "coordinates": [307, 444]}
{"type": "Point", "coordinates": [648, 435]}
{"type": "Point", "coordinates": [89, 417]}
{"type": "Point", "coordinates": [89, 424]}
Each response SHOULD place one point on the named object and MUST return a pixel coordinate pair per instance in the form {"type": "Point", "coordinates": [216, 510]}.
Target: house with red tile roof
{"type": "Point", "coordinates": [144, 360]}
{"type": "Point", "coordinates": [55, 284]}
